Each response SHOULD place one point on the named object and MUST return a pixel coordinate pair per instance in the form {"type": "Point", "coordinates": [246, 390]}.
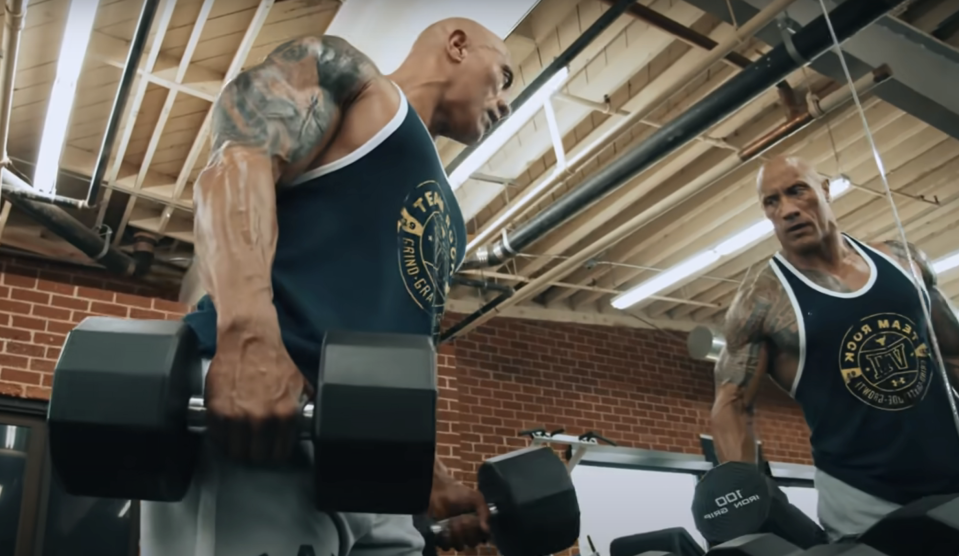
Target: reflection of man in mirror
{"type": "Point", "coordinates": [839, 324]}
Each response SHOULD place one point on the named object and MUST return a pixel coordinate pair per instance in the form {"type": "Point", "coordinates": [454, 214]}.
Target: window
{"type": "Point", "coordinates": [37, 518]}
{"type": "Point", "coordinates": [616, 502]}
{"type": "Point", "coordinates": [21, 447]}
{"type": "Point", "coordinates": [804, 498]}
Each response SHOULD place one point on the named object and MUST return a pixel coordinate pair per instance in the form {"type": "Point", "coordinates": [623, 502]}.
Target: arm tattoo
{"type": "Point", "coordinates": [902, 252]}
{"type": "Point", "coordinates": [745, 330]}
{"type": "Point", "coordinates": [945, 324]}
{"type": "Point", "coordinates": [290, 103]}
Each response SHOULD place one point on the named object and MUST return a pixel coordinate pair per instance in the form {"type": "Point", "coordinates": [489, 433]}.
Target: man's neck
{"type": "Point", "coordinates": [423, 95]}
{"type": "Point", "coordinates": [828, 256]}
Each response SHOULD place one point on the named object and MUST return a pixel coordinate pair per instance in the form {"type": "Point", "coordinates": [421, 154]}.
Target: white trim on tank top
{"type": "Point", "coordinates": [825, 291]}
{"type": "Point", "coordinates": [364, 149]}
{"type": "Point", "coordinates": [800, 325]}
{"type": "Point", "coordinates": [898, 265]}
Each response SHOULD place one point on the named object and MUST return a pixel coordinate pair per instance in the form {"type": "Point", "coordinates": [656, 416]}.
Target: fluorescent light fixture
{"type": "Point", "coordinates": [506, 130]}
{"type": "Point", "coordinates": [666, 278]}
{"type": "Point", "coordinates": [838, 186]}
{"type": "Point", "coordinates": [946, 263]}
{"type": "Point", "coordinates": [730, 246]}
{"type": "Point", "coordinates": [76, 39]}
{"type": "Point", "coordinates": [10, 439]}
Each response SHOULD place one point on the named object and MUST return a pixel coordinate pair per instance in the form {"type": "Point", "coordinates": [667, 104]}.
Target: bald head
{"type": "Point", "coordinates": [787, 168]}
{"type": "Point", "coordinates": [437, 35]}
{"type": "Point", "coordinates": [468, 71]}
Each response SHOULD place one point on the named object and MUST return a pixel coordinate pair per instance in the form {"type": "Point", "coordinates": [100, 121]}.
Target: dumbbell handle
{"type": "Point", "coordinates": [196, 417]}
{"type": "Point", "coordinates": [442, 527]}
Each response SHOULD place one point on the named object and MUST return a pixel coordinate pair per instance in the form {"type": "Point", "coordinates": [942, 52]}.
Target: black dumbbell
{"type": "Point", "coordinates": [766, 544]}
{"type": "Point", "coordinates": [532, 501]}
{"type": "Point", "coordinates": [736, 499]}
{"type": "Point", "coordinates": [761, 544]}
{"type": "Point", "coordinates": [126, 394]}
{"type": "Point", "coordinates": [675, 541]}
{"type": "Point", "coordinates": [929, 526]}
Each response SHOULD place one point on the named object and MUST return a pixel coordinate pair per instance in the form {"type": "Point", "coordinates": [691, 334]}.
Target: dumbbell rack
{"type": "Point", "coordinates": [576, 446]}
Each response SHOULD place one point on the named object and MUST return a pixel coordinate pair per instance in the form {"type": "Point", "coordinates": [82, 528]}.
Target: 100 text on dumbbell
{"type": "Point", "coordinates": [126, 413]}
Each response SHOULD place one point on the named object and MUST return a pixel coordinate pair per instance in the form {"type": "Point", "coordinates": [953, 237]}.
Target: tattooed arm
{"type": "Point", "coordinates": [944, 322]}
{"type": "Point", "coordinates": [276, 115]}
{"type": "Point", "coordinates": [741, 367]}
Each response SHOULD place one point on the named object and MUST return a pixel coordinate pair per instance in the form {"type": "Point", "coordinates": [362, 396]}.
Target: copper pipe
{"type": "Point", "coordinates": [762, 143]}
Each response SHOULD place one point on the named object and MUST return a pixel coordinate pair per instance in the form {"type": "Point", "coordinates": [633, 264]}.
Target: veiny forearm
{"type": "Point", "coordinates": [733, 434]}
{"type": "Point", "coordinates": [236, 233]}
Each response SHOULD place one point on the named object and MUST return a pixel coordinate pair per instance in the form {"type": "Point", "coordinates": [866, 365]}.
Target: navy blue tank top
{"type": "Point", "coordinates": [366, 243]}
{"type": "Point", "coordinates": [869, 384]}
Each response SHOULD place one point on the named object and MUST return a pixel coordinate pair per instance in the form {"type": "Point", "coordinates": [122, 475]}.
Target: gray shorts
{"type": "Point", "coordinates": [237, 510]}
{"type": "Point", "coordinates": [845, 510]}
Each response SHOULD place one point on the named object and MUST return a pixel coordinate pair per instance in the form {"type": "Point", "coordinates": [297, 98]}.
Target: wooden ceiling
{"type": "Point", "coordinates": [197, 44]}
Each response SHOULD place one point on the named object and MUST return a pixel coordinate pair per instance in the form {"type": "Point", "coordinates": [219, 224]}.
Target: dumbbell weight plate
{"type": "Point", "coordinates": [842, 549]}
{"type": "Point", "coordinates": [730, 501]}
{"type": "Point", "coordinates": [117, 413]}
{"type": "Point", "coordinates": [762, 544]}
{"type": "Point", "coordinates": [375, 424]}
{"type": "Point", "coordinates": [537, 509]}
{"type": "Point", "coordinates": [674, 540]}
{"type": "Point", "coordinates": [736, 499]}
{"type": "Point", "coordinates": [929, 526]}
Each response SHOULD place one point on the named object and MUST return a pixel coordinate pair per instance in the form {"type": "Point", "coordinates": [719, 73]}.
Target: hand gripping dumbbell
{"type": "Point", "coordinates": [532, 501]}
{"type": "Point", "coordinates": [126, 394]}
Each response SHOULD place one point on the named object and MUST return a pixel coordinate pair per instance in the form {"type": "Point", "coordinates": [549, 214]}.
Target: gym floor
{"type": "Point", "coordinates": [561, 356]}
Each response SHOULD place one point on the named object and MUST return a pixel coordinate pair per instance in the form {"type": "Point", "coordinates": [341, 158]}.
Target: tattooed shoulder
{"type": "Point", "coordinates": [293, 100]}
{"type": "Point", "coordinates": [902, 252]}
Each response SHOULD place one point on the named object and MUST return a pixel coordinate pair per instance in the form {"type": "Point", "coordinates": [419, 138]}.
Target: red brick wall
{"type": "Point", "coordinates": [40, 302]}
{"type": "Point", "coordinates": [635, 387]}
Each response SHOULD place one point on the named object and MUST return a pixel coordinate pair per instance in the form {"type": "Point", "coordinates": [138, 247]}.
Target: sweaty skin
{"type": "Point", "coordinates": [310, 102]}
{"type": "Point", "coordinates": [761, 331]}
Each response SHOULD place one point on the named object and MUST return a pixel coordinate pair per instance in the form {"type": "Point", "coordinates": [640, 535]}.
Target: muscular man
{"type": "Point", "coordinates": [838, 324]}
{"type": "Point", "coordinates": [324, 205]}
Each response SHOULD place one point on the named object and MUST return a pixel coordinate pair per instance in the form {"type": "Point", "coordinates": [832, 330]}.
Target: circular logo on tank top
{"type": "Point", "coordinates": [427, 247]}
{"type": "Point", "coordinates": [885, 363]}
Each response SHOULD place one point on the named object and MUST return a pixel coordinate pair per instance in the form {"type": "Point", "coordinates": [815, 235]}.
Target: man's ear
{"type": "Point", "coordinates": [456, 46]}
{"type": "Point", "coordinates": [825, 190]}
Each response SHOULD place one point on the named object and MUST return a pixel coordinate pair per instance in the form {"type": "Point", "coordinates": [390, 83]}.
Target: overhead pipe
{"type": "Point", "coordinates": [16, 191]}
{"type": "Point", "coordinates": [506, 248]}
{"type": "Point", "coordinates": [46, 210]}
{"type": "Point", "coordinates": [123, 94]}
{"type": "Point", "coordinates": [14, 15]}
{"type": "Point", "coordinates": [485, 285]}
{"type": "Point", "coordinates": [808, 43]}
{"type": "Point", "coordinates": [564, 58]}
{"type": "Point", "coordinates": [815, 109]}
{"type": "Point", "coordinates": [687, 34]}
